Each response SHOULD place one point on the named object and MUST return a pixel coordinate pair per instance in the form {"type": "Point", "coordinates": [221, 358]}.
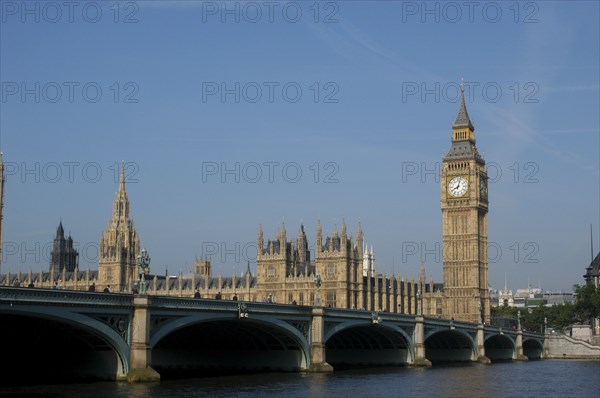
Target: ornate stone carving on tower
{"type": "Point", "coordinates": [202, 267]}
{"type": "Point", "coordinates": [119, 245]}
{"type": "Point", "coordinates": [63, 254]}
{"type": "Point", "coordinates": [464, 202]}
{"type": "Point", "coordinates": [281, 261]}
{"type": "Point", "coordinates": [286, 272]}
{"type": "Point", "coordinates": [339, 262]}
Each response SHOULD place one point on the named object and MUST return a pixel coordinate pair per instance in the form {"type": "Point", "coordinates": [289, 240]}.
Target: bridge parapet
{"type": "Point", "coordinates": [448, 323]}
{"type": "Point", "coordinates": [498, 331]}
{"type": "Point", "coordinates": [176, 303]}
{"type": "Point", "coordinates": [533, 335]}
{"type": "Point", "coordinates": [63, 297]}
{"type": "Point", "coordinates": [341, 313]}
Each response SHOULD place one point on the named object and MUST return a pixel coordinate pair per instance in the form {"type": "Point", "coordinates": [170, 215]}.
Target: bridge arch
{"type": "Point", "coordinates": [449, 345]}
{"type": "Point", "coordinates": [533, 348]}
{"type": "Point", "coordinates": [500, 347]}
{"type": "Point", "coordinates": [60, 345]}
{"type": "Point", "coordinates": [360, 343]}
{"type": "Point", "coordinates": [198, 343]}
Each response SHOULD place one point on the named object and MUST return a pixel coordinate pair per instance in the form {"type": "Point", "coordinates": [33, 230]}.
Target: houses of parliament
{"type": "Point", "coordinates": [286, 270]}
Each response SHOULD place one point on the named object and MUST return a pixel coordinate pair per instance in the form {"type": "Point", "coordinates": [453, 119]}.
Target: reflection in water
{"type": "Point", "coordinates": [518, 379]}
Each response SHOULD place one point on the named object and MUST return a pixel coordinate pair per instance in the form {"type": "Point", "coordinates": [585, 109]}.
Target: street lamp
{"type": "Point", "coordinates": [419, 302]}
{"type": "Point", "coordinates": [143, 260]}
{"type": "Point", "coordinates": [318, 283]}
{"type": "Point", "coordinates": [519, 320]}
{"type": "Point", "coordinates": [480, 308]}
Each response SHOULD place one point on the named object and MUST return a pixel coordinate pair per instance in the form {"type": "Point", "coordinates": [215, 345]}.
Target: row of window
{"type": "Point", "coordinates": [271, 271]}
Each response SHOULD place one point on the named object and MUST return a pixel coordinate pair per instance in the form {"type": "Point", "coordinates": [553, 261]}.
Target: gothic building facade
{"type": "Point", "coordinates": [63, 255]}
{"type": "Point", "coordinates": [286, 273]}
{"type": "Point", "coordinates": [119, 245]}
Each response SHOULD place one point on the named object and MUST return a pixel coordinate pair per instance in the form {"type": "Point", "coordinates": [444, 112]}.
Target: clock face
{"type": "Point", "coordinates": [457, 186]}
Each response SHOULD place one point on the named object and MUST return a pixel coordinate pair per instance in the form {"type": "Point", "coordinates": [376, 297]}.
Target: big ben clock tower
{"type": "Point", "coordinates": [464, 186]}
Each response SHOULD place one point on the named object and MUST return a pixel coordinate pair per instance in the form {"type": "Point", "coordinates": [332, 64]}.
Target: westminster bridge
{"type": "Point", "coordinates": [73, 335]}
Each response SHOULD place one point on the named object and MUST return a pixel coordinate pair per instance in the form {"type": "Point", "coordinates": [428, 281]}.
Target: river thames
{"type": "Point", "coordinates": [546, 378]}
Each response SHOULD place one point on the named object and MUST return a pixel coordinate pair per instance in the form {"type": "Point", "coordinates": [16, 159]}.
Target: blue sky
{"type": "Point", "coordinates": [359, 97]}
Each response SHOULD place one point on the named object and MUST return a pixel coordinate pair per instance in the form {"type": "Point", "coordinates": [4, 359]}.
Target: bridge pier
{"type": "Point", "coordinates": [140, 354]}
{"type": "Point", "coordinates": [481, 358]}
{"type": "Point", "coordinates": [419, 339]}
{"type": "Point", "coordinates": [519, 354]}
{"type": "Point", "coordinates": [318, 362]}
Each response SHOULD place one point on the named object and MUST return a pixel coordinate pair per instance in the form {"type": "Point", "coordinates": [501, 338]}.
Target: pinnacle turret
{"type": "Point", "coordinates": [122, 177]}
{"type": "Point", "coordinates": [301, 234]}
{"type": "Point", "coordinates": [260, 240]}
{"type": "Point", "coordinates": [121, 202]}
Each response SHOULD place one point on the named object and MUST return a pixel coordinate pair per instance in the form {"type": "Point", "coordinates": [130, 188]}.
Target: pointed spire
{"type": "Point", "coordinates": [301, 234]}
{"type": "Point", "coordinates": [591, 244]}
{"type": "Point", "coordinates": [319, 239]}
{"type": "Point", "coordinates": [122, 177]}
{"type": "Point", "coordinates": [462, 119]}
{"type": "Point", "coordinates": [60, 231]}
{"type": "Point", "coordinates": [359, 239]}
{"type": "Point", "coordinates": [283, 239]}
{"type": "Point", "coordinates": [260, 235]}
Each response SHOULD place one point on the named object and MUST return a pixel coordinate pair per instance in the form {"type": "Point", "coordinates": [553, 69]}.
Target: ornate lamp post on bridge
{"type": "Point", "coordinates": [318, 283]}
{"type": "Point", "coordinates": [143, 260]}
{"type": "Point", "coordinates": [519, 320]}
{"type": "Point", "coordinates": [419, 302]}
{"type": "Point", "coordinates": [480, 310]}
